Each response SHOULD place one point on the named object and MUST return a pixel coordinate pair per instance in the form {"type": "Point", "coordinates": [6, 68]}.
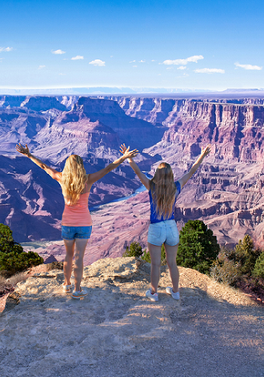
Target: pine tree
{"type": "Point", "coordinates": [198, 247]}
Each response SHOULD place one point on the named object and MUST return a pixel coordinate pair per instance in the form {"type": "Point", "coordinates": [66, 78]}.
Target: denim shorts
{"type": "Point", "coordinates": [163, 232]}
{"type": "Point", "coordinates": [72, 232]}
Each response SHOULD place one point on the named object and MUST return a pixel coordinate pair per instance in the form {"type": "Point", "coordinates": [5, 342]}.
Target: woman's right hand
{"type": "Point", "coordinates": [126, 151]}
{"type": "Point", "coordinates": [23, 150]}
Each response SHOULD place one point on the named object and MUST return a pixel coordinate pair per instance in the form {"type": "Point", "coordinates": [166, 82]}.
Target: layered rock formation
{"type": "Point", "coordinates": [116, 331]}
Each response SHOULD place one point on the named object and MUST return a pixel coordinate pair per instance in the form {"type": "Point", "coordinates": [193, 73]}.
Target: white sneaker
{"type": "Point", "coordinates": [152, 297]}
{"type": "Point", "coordinates": [83, 292]}
{"type": "Point", "coordinates": [175, 295]}
{"type": "Point", "coordinates": [67, 288]}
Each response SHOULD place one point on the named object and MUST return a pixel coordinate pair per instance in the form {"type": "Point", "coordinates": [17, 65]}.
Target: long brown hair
{"type": "Point", "coordinates": [163, 190]}
{"type": "Point", "coordinates": [73, 178]}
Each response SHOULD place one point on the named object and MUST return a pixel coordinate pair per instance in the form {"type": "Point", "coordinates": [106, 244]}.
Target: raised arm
{"type": "Point", "coordinates": [101, 173]}
{"type": "Point", "coordinates": [184, 179]}
{"type": "Point", "coordinates": [144, 180]}
{"type": "Point", "coordinates": [50, 171]}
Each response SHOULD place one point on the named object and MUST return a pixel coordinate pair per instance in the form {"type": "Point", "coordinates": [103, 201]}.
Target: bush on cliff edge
{"type": "Point", "coordinates": [12, 257]}
{"type": "Point", "coordinates": [135, 250]}
{"type": "Point", "coordinates": [198, 247]}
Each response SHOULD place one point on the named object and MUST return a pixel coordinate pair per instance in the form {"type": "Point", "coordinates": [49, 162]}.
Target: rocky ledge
{"type": "Point", "coordinates": [116, 331]}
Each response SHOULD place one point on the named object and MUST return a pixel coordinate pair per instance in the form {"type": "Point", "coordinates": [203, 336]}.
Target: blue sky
{"type": "Point", "coordinates": [174, 44]}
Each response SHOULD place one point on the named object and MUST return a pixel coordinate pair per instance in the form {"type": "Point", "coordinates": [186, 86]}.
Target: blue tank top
{"type": "Point", "coordinates": [153, 215]}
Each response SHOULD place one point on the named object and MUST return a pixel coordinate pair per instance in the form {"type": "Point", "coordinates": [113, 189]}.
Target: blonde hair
{"type": "Point", "coordinates": [73, 178]}
{"type": "Point", "coordinates": [163, 190]}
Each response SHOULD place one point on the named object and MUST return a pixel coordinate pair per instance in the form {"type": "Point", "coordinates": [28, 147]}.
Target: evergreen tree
{"type": "Point", "coordinates": [198, 247]}
{"type": "Point", "coordinates": [245, 255]}
{"type": "Point", "coordinates": [7, 244]}
{"type": "Point", "coordinates": [258, 271]}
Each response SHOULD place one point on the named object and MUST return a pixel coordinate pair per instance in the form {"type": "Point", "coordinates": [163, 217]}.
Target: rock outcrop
{"type": "Point", "coordinates": [117, 331]}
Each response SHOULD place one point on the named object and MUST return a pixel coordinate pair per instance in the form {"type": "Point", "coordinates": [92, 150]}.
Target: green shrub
{"type": "Point", "coordinates": [198, 247]}
{"type": "Point", "coordinates": [258, 271]}
{"type": "Point", "coordinates": [134, 250]}
{"type": "Point", "coordinates": [12, 257]}
{"type": "Point", "coordinates": [225, 270]}
{"type": "Point", "coordinates": [14, 262]}
{"type": "Point", "coordinates": [147, 258]}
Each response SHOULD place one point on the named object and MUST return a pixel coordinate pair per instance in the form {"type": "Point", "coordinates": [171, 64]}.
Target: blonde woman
{"type": "Point", "coordinates": [76, 218]}
{"type": "Point", "coordinates": [163, 192]}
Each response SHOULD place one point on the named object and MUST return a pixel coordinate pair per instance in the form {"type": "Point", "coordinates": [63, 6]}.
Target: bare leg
{"type": "Point", "coordinates": [171, 253]}
{"type": "Point", "coordinates": [155, 254]}
{"type": "Point", "coordinates": [67, 265]}
{"type": "Point", "coordinates": [78, 265]}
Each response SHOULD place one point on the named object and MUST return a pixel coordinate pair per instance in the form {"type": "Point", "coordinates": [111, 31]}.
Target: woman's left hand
{"type": "Point", "coordinates": [23, 150]}
{"type": "Point", "coordinates": [205, 151]}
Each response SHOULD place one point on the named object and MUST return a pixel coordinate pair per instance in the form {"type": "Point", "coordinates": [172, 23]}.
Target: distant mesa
{"type": "Point", "coordinates": [50, 259]}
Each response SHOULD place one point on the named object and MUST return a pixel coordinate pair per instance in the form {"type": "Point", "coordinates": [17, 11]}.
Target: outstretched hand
{"type": "Point", "coordinates": [23, 150]}
{"type": "Point", "coordinates": [126, 151]}
{"type": "Point", "coordinates": [205, 151]}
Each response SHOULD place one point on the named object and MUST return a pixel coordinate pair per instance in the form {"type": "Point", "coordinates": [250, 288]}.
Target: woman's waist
{"type": "Point", "coordinates": [166, 222]}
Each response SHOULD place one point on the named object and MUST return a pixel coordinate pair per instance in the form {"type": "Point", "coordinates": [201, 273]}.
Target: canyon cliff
{"type": "Point", "coordinates": [226, 192]}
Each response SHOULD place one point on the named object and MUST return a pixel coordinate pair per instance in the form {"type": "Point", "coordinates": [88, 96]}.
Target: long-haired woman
{"type": "Point", "coordinates": [76, 218]}
{"type": "Point", "coordinates": [163, 192]}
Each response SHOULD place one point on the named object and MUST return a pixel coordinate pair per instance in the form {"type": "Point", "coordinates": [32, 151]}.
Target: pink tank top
{"type": "Point", "coordinates": [77, 214]}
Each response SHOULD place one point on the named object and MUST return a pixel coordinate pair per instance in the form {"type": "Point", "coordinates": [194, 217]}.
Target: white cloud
{"type": "Point", "coordinates": [132, 61]}
{"type": "Point", "coordinates": [249, 67]}
{"type": "Point", "coordinates": [41, 66]}
{"type": "Point", "coordinates": [209, 70]}
{"type": "Point", "coordinates": [58, 52]}
{"type": "Point", "coordinates": [78, 57]}
{"type": "Point", "coordinates": [182, 67]}
{"type": "Point", "coordinates": [191, 59]}
{"type": "Point", "coordinates": [97, 62]}
{"type": "Point", "coordinates": [142, 61]}
{"type": "Point", "coordinates": [6, 49]}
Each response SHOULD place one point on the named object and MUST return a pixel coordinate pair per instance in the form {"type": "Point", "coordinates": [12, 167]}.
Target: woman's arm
{"type": "Point", "coordinates": [101, 173]}
{"type": "Point", "coordinates": [184, 179]}
{"type": "Point", "coordinates": [52, 172]}
{"type": "Point", "coordinates": [144, 180]}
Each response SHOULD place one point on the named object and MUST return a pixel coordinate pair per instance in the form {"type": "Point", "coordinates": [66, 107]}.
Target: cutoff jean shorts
{"type": "Point", "coordinates": [72, 232]}
{"type": "Point", "coordinates": [163, 232]}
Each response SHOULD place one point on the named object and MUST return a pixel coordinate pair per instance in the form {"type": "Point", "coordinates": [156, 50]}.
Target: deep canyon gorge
{"type": "Point", "coordinates": [226, 192]}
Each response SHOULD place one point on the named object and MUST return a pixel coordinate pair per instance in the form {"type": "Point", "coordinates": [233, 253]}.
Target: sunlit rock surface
{"type": "Point", "coordinates": [117, 331]}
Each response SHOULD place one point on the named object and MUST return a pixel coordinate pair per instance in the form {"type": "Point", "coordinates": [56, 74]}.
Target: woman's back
{"type": "Point", "coordinates": [77, 214]}
{"type": "Point", "coordinates": [156, 217]}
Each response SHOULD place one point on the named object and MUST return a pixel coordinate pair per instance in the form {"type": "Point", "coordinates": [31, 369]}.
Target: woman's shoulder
{"type": "Point", "coordinates": [178, 186]}
{"type": "Point", "coordinates": [87, 187]}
